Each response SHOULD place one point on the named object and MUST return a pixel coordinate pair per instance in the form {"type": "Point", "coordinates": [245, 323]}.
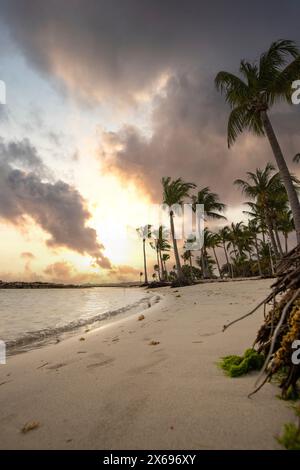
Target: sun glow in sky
{"type": "Point", "coordinates": [101, 103]}
{"type": "Point", "coordinates": [67, 138]}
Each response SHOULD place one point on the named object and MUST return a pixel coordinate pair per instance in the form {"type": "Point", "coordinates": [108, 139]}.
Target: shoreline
{"type": "Point", "coordinates": [40, 338]}
{"type": "Point", "coordinates": [53, 285]}
{"type": "Point", "coordinates": [149, 384]}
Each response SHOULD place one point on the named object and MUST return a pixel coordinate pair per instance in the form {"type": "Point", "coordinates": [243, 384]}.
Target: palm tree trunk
{"type": "Point", "coordinates": [271, 233]}
{"type": "Point", "coordinates": [235, 250]}
{"type": "Point", "coordinates": [278, 240]}
{"type": "Point", "coordinates": [202, 263]}
{"type": "Point", "coordinates": [258, 258]}
{"type": "Point", "coordinates": [191, 266]}
{"type": "Point", "coordinates": [217, 261]}
{"type": "Point", "coordinates": [177, 259]}
{"type": "Point", "coordinates": [284, 172]}
{"type": "Point", "coordinates": [227, 261]}
{"type": "Point", "coordinates": [271, 260]}
{"type": "Point", "coordinates": [145, 262]}
{"type": "Point", "coordinates": [162, 266]}
{"type": "Point", "coordinates": [166, 272]}
{"type": "Point", "coordinates": [158, 264]}
{"type": "Point", "coordinates": [207, 270]}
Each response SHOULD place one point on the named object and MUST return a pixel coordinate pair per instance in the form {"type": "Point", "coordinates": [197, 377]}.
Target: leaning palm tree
{"type": "Point", "coordinates": [174, 193]}
{"type": "Point", "coordinates": [145, 233]}
{"type": "Point", "coordinates": [253, 94]}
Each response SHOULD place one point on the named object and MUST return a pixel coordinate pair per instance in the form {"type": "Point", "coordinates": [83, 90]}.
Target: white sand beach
{"type": "Point", "coordinates": [114, 390]}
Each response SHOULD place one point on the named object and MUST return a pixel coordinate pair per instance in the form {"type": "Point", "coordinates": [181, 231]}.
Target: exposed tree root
{"type": "Point", "coordinates": [281, 326]}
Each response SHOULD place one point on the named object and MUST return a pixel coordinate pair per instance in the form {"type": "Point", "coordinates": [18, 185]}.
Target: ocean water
{"type": "Point", "coordinates": [28, 316]}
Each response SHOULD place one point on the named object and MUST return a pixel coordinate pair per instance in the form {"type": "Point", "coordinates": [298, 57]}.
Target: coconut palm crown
{"type": "Point", "coordinates": [252, 94]}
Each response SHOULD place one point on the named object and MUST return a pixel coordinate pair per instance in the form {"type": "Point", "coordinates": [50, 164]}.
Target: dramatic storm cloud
{"type": "Point", "coordinates": [57, 207]}
{"type": "Point", "coordinates": [99, 48]}
{"type": "Point", "coordinates": [189, 140]}
{"type": "Point", "coordinates": [118, 49]}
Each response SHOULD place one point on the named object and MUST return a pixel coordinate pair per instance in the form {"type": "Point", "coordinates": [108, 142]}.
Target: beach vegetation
{"type": "Point", "coordinates": [236, 366]}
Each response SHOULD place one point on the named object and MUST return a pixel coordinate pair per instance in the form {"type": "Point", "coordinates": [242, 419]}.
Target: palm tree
{"type": "Point", "coordinates": [235, 236]}
{"type": "Point", "coordinates": [156, 268]}
{"type": "Point", "coordinates": [165, 258]}
{"type": "Point", "coordinates": [174, 193]}
{"type": "Point", "coordinates": [145, 233]}
{"type": "Point", "coordinates": [256, 214]}
{"type": "Point", "coordinates": [253, 229]}
{"type": "Point", "coordinates": [162, 245]}
{"type": "Point", "coordinates": [211, 203]}
{"type": "Point", "coordinates": [224, 237]}
{"type": "Point", "coordinates": [212, 208]}
{"type": "Point", "coordinates": [264, 187]}
{"type": "Point", "coordinates": [213, 241]}
{"type": "Point", "coordinates": [286, 226]}
{"type": "Point", "coordinates": [252, 95]}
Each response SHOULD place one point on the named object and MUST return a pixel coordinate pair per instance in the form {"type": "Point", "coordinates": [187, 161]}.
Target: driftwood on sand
{"type": "Point", "coordinates": [281, 326]}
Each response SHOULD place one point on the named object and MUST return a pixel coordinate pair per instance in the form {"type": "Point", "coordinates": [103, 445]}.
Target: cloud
{"type": "Point", "coordinates": [23, 154]}
{"type": "Point", "coordinates": [189, 140]}
{"type": "Point", "coordinates": [57, 207]}
{"type": "Point", "coordinates": [122, 48]}
{"type": "Point", "coordinates": [60, 270]}
{"type": "Point", "coordinates": [125, 273]}
{"type": "Point", "coordinates": [64, 271]}
{"type": "Point", "coordinates": [27, 255]}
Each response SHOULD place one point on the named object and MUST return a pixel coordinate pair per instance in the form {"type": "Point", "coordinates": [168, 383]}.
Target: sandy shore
{"type": "Point", "coordinates": [114, 390]}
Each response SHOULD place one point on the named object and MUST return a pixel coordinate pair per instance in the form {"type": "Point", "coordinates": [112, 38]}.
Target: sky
{"type": "Point", "coordinates": [105, 98]}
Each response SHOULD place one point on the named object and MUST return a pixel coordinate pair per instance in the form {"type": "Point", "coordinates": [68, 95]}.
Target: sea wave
{"type": "Point", "coordinates": [37, 338]}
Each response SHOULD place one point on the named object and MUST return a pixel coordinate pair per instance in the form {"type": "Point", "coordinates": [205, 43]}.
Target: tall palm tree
{"type": "Point", "coordinates": [174, 193]}
{"type": "Point", "coordinates": [160, 244]}
{"type": "Point", "coordinates": [213, 209]}
{"type": "Point", "coordinates": [145, 233]}
{"type": "Point", "coordinates": [252, 95]}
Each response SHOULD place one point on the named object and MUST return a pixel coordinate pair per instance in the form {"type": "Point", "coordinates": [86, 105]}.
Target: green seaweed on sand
{"type": "Point", "coordinates": [290, 438]}
{"type": "Point", "coordinates": [235, 366]}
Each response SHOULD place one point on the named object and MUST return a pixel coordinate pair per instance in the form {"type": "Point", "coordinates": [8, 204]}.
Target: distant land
{"type": "Point", "coordinates": [53, 285]}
